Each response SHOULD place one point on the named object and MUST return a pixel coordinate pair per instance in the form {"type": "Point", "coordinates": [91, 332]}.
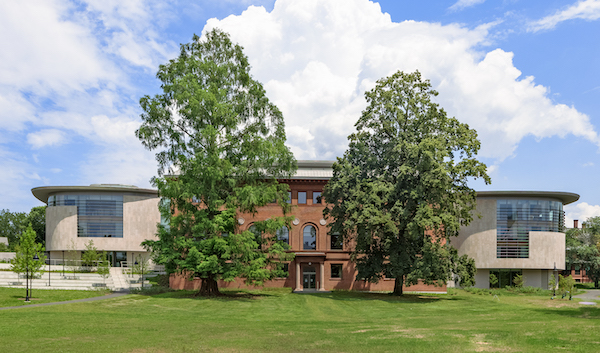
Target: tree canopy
{"type": "Point", "coordinates": [400, 191]}
{"type": "Point", "coordinates": [583, 248]}
{"type": "Point", "coordinates": [12, 224]}
{"type": "Point", "coordinates": [221, 149]}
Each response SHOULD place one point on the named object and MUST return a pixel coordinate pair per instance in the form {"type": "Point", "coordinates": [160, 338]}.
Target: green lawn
{"type": "Point", "coordinates": [16, 296]}
{"type": "Point", "coordinates": [279, 321]}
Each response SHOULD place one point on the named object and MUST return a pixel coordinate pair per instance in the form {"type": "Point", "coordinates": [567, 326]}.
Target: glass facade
{"type": "Point", "coordinates": [98, 216]}
{"type": "Point", "coordinates": [503, 278]}
{"type": "Point", "coordinates": [516, 218]}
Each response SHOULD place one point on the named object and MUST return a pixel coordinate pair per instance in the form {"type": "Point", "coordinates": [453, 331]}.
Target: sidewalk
{"type": "Point", "coordinates": [590, 294]}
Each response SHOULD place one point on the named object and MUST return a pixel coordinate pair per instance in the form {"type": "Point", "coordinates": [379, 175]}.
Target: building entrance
{"type": "Point", "coordinates": [309, 278]}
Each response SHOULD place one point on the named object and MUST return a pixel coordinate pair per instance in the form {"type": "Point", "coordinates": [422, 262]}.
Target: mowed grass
{"type": "Point", "coordinates": [16, 296]}
{"type": "Point", "coordinates": [280, 321]}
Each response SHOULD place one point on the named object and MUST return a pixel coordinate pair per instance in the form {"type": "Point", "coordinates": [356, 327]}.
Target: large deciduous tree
{"type": "Point", "coordinates": [583, 248]}
{"type": "Point", "coordinates": [225, 141]}
{"type": "Point", "coordinates": [400, 190]}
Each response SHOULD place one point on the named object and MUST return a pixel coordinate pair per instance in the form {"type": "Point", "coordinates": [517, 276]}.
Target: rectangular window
{"type": "Point", "coordinates": [289, 199]}
{"type": "Point", "coordinates": [336, 271]}
{"type": "Point", "coordinates": [503, 278]}
{"type": "Point", "coordinates": [336, 241]}
{"type": "Point", "coordinates": [577, 270]}
{"type": "Point", "coordinates": [316, 197]}
{"type": "Point", "coordinates": [301, 197]}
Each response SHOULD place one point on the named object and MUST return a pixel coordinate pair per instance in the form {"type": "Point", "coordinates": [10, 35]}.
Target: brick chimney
{"type": "Point", "coordinates": [576, 223]}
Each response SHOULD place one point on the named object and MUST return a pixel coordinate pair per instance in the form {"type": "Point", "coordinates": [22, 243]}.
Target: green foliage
{"type": "Point", "coordinates": [518, 281]}
{"type": "Point", "coordinates": [401, 187]}
{"type": "Point", "coordinates": [493, 280]}
{"type": "Point", "coordinates": [4, 248]}
{"type": "Point", "coordinates": [552, 283]}
{"type": "Point", "coordinates": [583, 248]}
{"type": "Point", "coordinates": [566, 284]}
{"type": "Point", "coordinates": [104, 266]}
{"type": "Point", "coordinates": [12, 224]}
{"type": "Point", "coordinates": [226, 141]}
{"type": "Point", "coordinates": [23, 261]}
{"type": "Point", "coordinates": [72, 258]}
{"type": "Point", "coordinates": [90, 256]}
{"type": "Point", "coordinates": [37, 219]}
{"type": "Point", "coordinates": [141, 265]}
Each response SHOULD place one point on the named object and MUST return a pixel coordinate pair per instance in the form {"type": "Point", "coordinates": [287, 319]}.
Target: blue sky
{"type": "Point", "coordinates": [524, 74]}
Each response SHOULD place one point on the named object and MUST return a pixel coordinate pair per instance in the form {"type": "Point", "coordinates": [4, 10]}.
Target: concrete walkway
{"type": "Point", "coordinates": [590, 294]}
{"type": "Point", "coordinates": [108, 296]}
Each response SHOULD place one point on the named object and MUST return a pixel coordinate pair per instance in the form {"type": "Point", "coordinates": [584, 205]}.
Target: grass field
{"type": "Point", "coordinates": [16, 296]}
{"type": "Point", "coordinates": [279, 321]}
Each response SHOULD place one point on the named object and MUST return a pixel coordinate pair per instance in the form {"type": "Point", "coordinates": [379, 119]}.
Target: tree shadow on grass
{"type": "Point", "coordinates": [193, 294]}
{"type": "Point", "coordinates": [581, 312]}
{"type": "Point", "coordinates": [387, 297]}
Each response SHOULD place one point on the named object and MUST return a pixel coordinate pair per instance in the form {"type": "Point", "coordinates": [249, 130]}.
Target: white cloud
{"type": "Point", "coordinates": [131, 27]}
{"type": "Point", "coordinates": [48, 137]}
{"type": "Point", "coordinates": [586, 10]}
{"type": "Point", "coordinates": [461, 4]}
{"type": "Point", "coordinates": [317, 58]}
{"type": "Point", "coordinates": [16, 177]}
{"type": "Point", "coordinates": [580, 211]}
{"type": "Point", "coordinates": [43, 52]}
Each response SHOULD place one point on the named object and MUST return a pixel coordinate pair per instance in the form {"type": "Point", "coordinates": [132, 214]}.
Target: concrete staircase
{"type": "Point", "coordinates": [56, 280]}
{"type": "Point", "coordinates": [118, 280]}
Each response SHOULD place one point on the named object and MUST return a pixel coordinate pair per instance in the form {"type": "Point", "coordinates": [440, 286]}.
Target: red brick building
{"type": "Point", "coordinates": [322, 261]}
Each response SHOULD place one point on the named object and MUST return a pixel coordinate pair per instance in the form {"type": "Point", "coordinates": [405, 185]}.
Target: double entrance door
{"type": "Point", "coordinates": [309, 278]}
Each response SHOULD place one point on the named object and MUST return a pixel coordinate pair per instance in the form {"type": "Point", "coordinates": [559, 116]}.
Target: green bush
{"type": "Point", "coordinates": [518, 281]}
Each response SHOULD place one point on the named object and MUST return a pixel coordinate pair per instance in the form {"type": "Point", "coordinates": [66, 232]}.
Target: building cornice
{"type": "Point", "coordinates": [43, 192]}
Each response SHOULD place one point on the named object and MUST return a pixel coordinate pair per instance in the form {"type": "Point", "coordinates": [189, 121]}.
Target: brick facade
{"type": "Point", "coordinates": [312, 267]}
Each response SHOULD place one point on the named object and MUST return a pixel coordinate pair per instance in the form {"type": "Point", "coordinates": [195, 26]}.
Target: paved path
{"type": "Point", "coordinates": [109, 296]}
{"type": "Point", "coordinates": [590, 294]}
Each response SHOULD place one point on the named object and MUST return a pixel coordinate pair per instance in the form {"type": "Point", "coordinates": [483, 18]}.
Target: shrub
{"type": "Point", "coordinates": [518, 281]}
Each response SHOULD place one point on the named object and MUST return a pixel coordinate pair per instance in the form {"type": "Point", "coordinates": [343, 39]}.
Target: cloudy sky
{"type": "Point", "coordinates": [524, 74]}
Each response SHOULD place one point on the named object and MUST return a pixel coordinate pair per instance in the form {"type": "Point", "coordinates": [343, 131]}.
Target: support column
{"type": "Point", "coordinates": [297, 275]}
{"type": "Point", "coordinates": [322, 275]}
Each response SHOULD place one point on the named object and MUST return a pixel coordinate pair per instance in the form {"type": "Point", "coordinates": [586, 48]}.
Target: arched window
{"type": "Point", "coordinates": [310, 238]}
{"type": "Point", "coordinates": [257, 233]}
{"type": "Point", "coordinates": [283, 234]}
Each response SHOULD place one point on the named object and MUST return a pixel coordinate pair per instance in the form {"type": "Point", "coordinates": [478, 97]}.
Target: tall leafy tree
{"type": "Point", "coordinates": [400, 190]}
{"type": "Point", "coordinates": [583, 248]}
{"type": "Point", "coordinates": [225, 141]}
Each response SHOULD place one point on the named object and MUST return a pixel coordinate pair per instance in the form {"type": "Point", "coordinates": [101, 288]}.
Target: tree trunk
{"type": "Point", "coordinates": [398, 283]}
{"type": "Point", "coordinates": [596, 283]}
{"type": "Point", "coordinates": [209, 288]}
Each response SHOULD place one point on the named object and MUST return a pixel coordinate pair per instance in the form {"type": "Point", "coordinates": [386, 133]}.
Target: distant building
{"type": "Point", "coordinates": [118, 218]}
{"type": "Point", "coordinates": [519, 233]}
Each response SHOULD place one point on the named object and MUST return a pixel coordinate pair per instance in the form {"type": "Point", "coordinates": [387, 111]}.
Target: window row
{"type": "Point", "coordinates": [309, 237]}
{"type": "Point", "coordinates": [334, 273]}
{"type": "Point", "coordinates": [302, 197]}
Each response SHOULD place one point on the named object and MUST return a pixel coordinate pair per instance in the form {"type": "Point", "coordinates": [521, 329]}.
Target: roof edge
{"type": "Point", "coordinates": [43, 192]}
{"type": "Point", "coordinates": [565, 197]}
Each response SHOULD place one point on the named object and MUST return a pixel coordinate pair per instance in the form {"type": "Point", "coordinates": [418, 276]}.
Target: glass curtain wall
{"type": "Point", "coordinates": [98, 216]}
{"type": "Point", "coordinates": [516, 218]}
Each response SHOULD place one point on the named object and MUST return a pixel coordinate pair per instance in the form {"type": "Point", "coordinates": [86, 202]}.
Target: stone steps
{"type": "Point", "coordinates": [116, 281]}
